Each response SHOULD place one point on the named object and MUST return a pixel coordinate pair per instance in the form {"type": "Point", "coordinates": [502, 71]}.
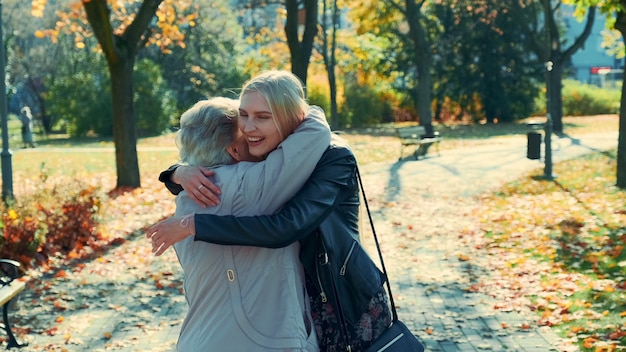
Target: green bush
{"type": "Point", "coordinates": [53, 217]}
{"type": "Point", "coordinates": [155, 104]}
{"type": "Point", "coordinates": [581, 99]}
{"type": "Point", "coordinates": [584, 99]}
{"type": "Point", "coordinates": [81, 103]}
{"type": "Point", "coordinates": [363, 106]}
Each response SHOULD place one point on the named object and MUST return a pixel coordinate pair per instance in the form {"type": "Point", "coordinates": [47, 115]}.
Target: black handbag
{"type": "Point", "coordinates": [397, 337]}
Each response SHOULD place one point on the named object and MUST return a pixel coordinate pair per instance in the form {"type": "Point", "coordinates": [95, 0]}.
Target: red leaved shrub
{"type": "Point", "coordinates": [54, 218]}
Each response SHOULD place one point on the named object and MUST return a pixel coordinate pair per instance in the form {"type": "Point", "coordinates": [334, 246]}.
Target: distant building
{"type": "Point", "coordinates": [592, 64]}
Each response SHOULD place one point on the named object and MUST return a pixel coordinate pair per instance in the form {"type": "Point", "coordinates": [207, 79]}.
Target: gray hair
{"type": "Point", "coordinates": [206, 130]}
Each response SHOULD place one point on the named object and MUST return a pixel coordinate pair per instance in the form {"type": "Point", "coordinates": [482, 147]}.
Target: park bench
{"type": "Point", "coordinates": [415, 135]}
{"type": "Point", "coordinates": [9, 289]}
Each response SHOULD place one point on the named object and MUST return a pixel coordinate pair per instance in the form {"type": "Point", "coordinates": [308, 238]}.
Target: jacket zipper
{"type": "Point", "coordinates": [342, 271]}
{"type": "Point", "coordinates": [339, 312]}
{"type": "Point", "coordinates": [319, 280]}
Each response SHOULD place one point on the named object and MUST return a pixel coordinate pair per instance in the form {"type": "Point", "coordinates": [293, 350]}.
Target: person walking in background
{"type": "Point", "coordinates": [248, 298]}
{"type": "Point", "coordinates": [26, 118]}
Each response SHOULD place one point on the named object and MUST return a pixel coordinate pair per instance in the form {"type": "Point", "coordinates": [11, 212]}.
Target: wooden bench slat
{"type": "Point", "coordinates": [10, 287]}
{"type": "Point", "coordinates": [11, 290]}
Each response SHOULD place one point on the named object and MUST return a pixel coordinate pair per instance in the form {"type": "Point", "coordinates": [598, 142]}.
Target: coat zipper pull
{"type": "Point", "coordinates": [324, 298]}
{"type": "Point", "coordinates": [342, 271]}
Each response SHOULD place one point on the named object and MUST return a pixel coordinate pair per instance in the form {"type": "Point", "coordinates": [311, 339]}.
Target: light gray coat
{"type": "Point", "coordinates": [251, 298]}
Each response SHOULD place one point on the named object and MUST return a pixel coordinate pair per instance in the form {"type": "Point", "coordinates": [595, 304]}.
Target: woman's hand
{"type": "Point", "coordinates": [195, 180]}
{"type": "Point", "coordinates": [166, 233]}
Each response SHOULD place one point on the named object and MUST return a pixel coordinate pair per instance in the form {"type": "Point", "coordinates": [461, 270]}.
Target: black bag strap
{"type": "Point", "coordinates": [380, 253]}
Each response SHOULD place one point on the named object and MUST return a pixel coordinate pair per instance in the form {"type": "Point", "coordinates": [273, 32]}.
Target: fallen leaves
{"type": "Point", "coordinates": [546, 247]}
{"type": "Point", "coordinates": [463, 257]}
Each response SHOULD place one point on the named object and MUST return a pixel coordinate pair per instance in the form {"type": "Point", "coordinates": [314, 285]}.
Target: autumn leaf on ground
{"type": "Point", "coordinates": [59, 305]}
{"type": "Point", "coordinates": [51, 331]}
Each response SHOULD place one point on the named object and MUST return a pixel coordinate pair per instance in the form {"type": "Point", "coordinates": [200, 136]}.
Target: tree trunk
{"type": "Point", "coordinates": [422, 50]}
{"type": "Point", "coordinates": [621, 142]}
{"type": "Point", "coordinates": [328, 53]}
{"type": "Point", "coordinates": [124, 125]}
{"type": "Point", "coordinates": [424, 96]}
{"type": "Point", "coordinates": [620, 25]}
{"type": "Point", "coordinates": [301, 50]}
{"type": "Point", "coordinates": [555, 96]}
{"type": "Point", "coordinates": [120, 53]}
{"type": "Point", "coordinates": [332, 79]}
{"type": "Point", "coordinates": [334, 109]}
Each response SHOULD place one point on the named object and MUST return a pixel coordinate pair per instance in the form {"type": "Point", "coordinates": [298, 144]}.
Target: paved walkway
{"type": "Point", "coordinates": [126, 300]}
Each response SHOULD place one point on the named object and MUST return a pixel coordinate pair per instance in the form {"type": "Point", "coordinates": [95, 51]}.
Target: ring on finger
{"type": "Point", "coordinates": [200, 187]}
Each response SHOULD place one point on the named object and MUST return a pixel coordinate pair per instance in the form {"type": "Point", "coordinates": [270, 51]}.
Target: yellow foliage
{"type": "Point", "coordinates": [170, 15]}
{"type": "Point", "coordinates": [12, 214]}
{"type": "Point", "coordinates": [37, 8]}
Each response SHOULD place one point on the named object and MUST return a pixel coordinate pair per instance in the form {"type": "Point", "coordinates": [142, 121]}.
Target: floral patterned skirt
{"type": "Point", "coordinates": [371, 325]}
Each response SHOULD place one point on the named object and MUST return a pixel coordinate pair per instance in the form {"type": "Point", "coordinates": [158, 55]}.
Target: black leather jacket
{"type": "Point", "coordinates": [323, 216]}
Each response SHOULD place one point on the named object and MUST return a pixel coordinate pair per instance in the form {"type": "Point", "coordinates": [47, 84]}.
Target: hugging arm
{"type": "Point", "coordinates": [166, 178]}
{"type": "Point", "coordinates": [297, 219]}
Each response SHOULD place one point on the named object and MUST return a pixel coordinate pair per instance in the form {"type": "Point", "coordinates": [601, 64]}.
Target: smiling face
{"type": "Point", "coordinates": [257, 124]}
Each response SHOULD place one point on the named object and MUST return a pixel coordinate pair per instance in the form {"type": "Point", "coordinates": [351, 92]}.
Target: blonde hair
{"type": "Point", "coordinates": [206, 130]}
{"type": "Point", "coordinates": [285, 96]}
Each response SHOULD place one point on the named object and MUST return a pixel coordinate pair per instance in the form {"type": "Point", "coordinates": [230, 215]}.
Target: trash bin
{"type": "Point", "coordinates": [533, 150]}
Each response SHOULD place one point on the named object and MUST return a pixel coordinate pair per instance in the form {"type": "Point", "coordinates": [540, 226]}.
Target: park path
{"type": "Point", "coordinates": [127, 300]}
